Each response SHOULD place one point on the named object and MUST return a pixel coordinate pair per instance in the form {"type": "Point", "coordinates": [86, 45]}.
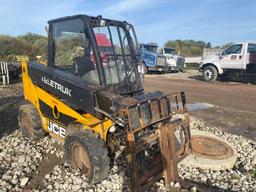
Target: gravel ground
{"type": "Point", "coordinates": [242, 177]}
{"type": "Point", "coordinates": [39, 166]}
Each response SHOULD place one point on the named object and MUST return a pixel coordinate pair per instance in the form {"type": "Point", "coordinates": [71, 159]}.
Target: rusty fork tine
{"type": "Point", "coordinates": [146, 169]}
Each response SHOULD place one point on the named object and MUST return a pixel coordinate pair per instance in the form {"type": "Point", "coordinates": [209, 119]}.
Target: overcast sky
{"type": "Point", "coordinates": [217, 21]}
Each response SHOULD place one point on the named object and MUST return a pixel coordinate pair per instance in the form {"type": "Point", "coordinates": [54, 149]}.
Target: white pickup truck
{"type": "Point", "coordinates": [173, 60]}
{"type": "Point", "coordinates": [237, 59]}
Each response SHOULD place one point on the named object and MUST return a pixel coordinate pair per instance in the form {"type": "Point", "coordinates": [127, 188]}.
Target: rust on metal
{"type": "Point", "coordinates": [151, 150]}
{"type": "Point", "coordinates": [168, 153]}
{"type": "Point", "coordinates": [155, 110]}
{"type": "Point", "coordinates": [210, 147]}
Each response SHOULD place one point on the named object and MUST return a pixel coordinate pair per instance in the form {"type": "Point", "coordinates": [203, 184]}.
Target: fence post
{"type": "Point", "coordinates": [4, 72]}
{"type": "Point", "coordinates": [7, 73]}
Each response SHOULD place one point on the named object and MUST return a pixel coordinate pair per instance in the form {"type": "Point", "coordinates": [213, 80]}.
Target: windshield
{"type": "Point", "coordinates": [116, 48]}
{"type": "Point", "coordinates": [151, 48]}
{"type": "Point", "coordinates": [169, 51]}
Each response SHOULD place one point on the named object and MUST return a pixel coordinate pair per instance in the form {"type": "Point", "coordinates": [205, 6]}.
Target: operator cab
{"type": "Point", "coordinates": [149, 47]}
{"type": "Point", "coordinates": [170, 51]}
{"type": "Point", "coordinates": [98, 51]}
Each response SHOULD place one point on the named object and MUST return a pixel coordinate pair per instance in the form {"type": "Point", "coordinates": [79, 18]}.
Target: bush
{"type": "Point", "coordinates": [188, 48]}
{"type": "Point", "coordinates": [30, 45]}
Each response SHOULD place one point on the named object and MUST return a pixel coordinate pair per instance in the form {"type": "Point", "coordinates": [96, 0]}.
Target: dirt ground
{"type": "Point", "coordinates": [11, 97]}
{"type": "Point", "coordinates": [229, 105]}
{"type": "Point", "coordinates": [234, 103]}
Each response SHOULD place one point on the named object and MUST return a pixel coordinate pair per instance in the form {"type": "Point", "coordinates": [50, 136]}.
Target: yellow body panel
{"type": "Point", "coordinates": [33, 93]}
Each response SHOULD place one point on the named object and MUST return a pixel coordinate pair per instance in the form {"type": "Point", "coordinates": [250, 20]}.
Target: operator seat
{"type": "Point", "coordinates": [82, 65]}
{"type": "Point", "coordinates": [85, 69]}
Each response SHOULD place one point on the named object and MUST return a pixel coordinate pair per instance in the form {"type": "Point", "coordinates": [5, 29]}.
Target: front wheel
{"type": "Point", "coordinates": [210, 73]}
{"type": "Point", "coordinates": [86, 152]}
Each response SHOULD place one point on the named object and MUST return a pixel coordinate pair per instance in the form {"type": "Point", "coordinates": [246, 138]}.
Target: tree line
{"type": "Point", "coordinates": [191, 48]}
{"type": "Point", "coordinates": [33, 45]}
{"type": "Point", "coordinates": [188, 48]}
{"type": "Point", "coordinates": [30, 45]}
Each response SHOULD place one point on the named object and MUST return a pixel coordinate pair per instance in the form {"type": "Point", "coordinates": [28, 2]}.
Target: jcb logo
{"type": "Point", "coordinates": [58, 130]}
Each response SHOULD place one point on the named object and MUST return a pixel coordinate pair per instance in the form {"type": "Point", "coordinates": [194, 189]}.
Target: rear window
{"type": "Point", "coordinates": [251, 48]}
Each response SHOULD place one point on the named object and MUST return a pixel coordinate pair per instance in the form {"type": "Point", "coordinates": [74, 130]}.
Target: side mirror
{"type": "Point", "coordinates": [221, 55]}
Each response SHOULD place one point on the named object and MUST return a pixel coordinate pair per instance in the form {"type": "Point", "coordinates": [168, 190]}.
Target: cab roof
{"type": "Point", "coordinates": [83, 16]}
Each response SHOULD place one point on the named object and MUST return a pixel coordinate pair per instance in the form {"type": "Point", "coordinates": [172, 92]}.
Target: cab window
{"type": "Point", "coordinates": [72, 50]}
{"type": "Point", "coordinates": [251, 48]}
{"type": "Point", "coordinates": [234, 49]}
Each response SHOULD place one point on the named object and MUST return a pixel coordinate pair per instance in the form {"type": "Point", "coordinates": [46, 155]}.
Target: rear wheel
{"type": "Point", "coordinates": [86, 152]}
{"type": "Point", "coordinates": [210, 73]}
{"type": "Point", "coordinates": [30, 122]}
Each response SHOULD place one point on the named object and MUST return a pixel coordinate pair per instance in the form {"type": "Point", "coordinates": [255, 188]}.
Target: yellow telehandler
{"type": "Point", "coordinates": [90, 95]}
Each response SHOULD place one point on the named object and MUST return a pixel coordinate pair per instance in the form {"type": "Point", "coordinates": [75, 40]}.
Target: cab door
{"type": "Point", "coordinates": [232, 57]}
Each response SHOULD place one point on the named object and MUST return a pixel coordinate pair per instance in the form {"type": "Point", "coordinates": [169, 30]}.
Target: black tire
{"type": "Point", "coordinates": [210, 73]}
{"type": "Point", "coordinates": [30, 122]}
{"type": "Point", "coordinates": [93, 159]}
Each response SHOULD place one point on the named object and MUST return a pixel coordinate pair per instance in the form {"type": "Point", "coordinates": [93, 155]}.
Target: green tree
{"type": "Point", "coordinates": [39, 42]}
{"type": "Point", "coordinates": [208, 45]}
{"type": "Point", "coordinates": [187, 47]}
{"type": "Point", "coordinates": [30, 44]}
{"type": "Point", "coordinates": [31, 38]}
{"type": "Point", "coordinates": [13, 46]}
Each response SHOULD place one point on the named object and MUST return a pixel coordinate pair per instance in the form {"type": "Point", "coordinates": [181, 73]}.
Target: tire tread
{"type": "Point", "coordinates": [96, 150]}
